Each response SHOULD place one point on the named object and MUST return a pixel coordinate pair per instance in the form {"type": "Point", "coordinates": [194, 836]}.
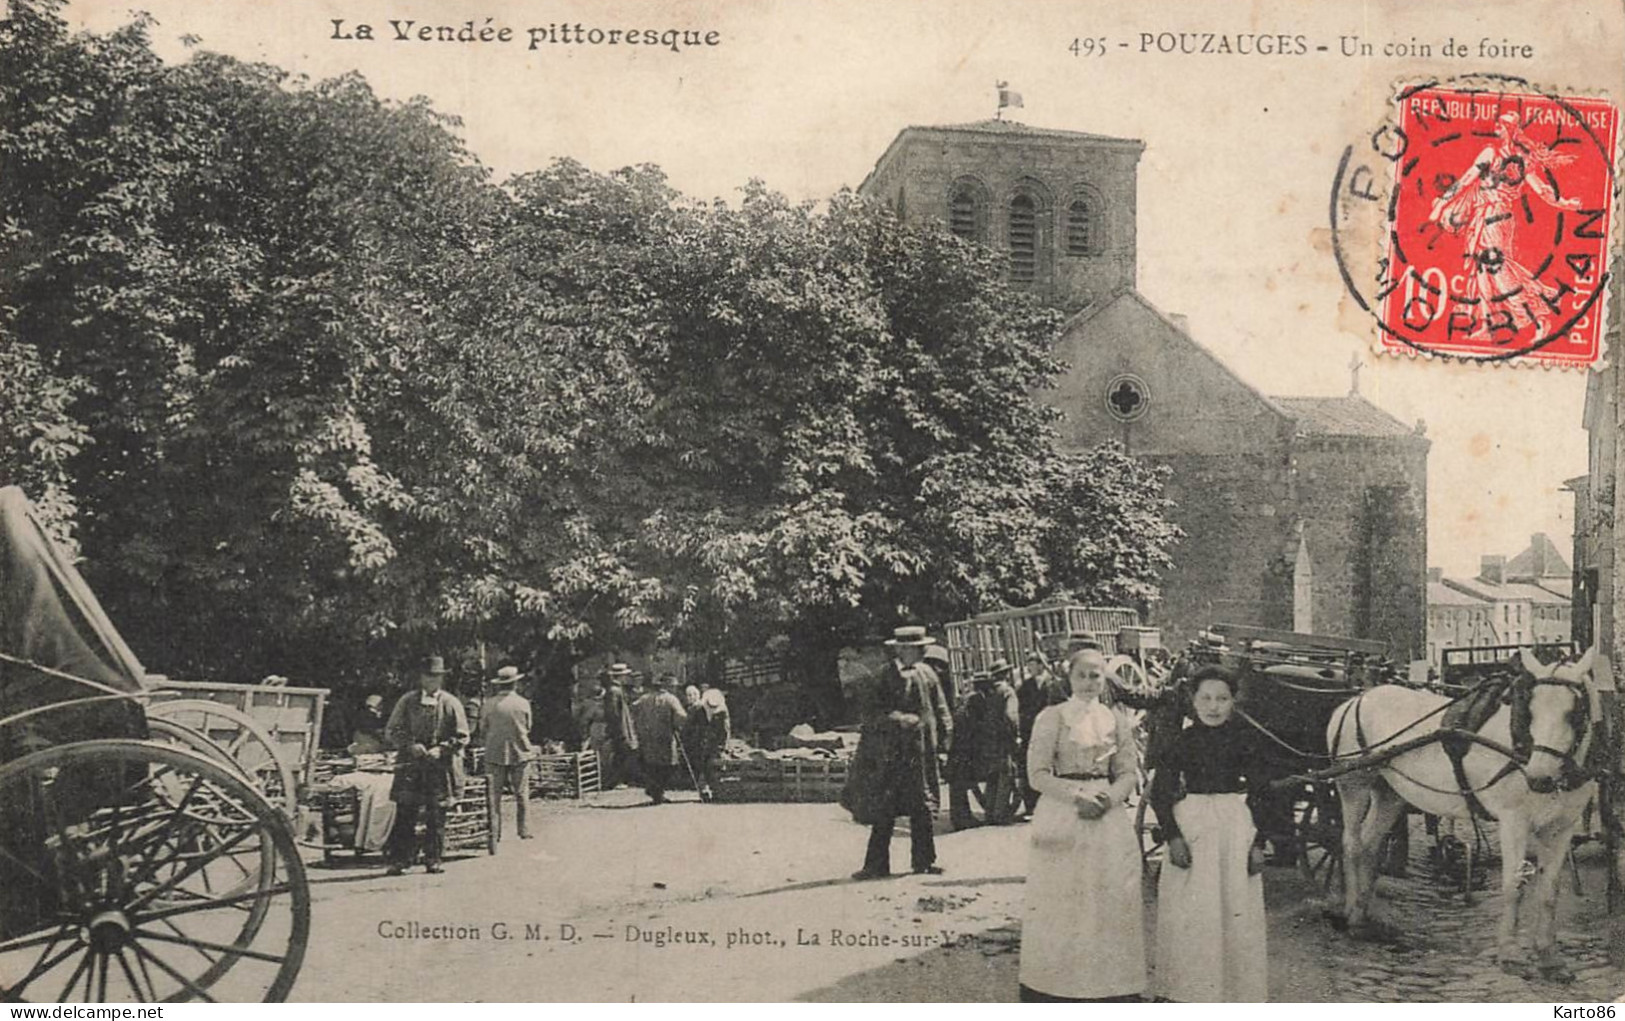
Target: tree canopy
{"type": "Point", "coordinates": [313, 393]}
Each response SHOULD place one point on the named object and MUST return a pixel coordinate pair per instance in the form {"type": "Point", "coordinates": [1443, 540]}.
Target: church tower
{"type": "Point", "coordinates": [1059, 204]}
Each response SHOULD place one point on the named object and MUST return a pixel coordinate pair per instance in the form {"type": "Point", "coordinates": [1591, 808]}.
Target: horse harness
{"type": "Point", "coordinates": [1464, 716]}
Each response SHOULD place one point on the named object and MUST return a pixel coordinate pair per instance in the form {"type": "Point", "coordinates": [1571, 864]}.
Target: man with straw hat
{"type": "Point", "coordinates": [906, 712]}
{"type": "Point", "coordinates": [623, 739]}
{"type": "Point", "coordinates": [505, 729]}
{"type": "Point", "coordinates": [428, 730]}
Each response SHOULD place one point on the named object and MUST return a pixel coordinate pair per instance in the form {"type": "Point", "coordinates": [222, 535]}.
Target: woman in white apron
{"type": "Point", "coordinates": [1081, 937]}
{"type": "Point", "coordinates": [1210, 897]}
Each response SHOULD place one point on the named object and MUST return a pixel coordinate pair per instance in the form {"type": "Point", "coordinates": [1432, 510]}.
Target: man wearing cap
{"type": "Point", "coordinates": [623, 739]}
{"type": "Point", "coordinates": [986, 732]}
{"type": "Point", "coordinates": [906, 709]}
{"type": "Point", "coordinates": [505, 730]}
{"type": "Point", "coordinates": [428, 730]}
{"type": "Point", "coordinates": [658, 718]}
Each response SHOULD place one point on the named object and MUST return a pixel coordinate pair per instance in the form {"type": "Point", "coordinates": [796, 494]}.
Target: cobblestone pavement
{"type": "Point", "coordinates": [1444, 947]}
{"type": "Point", "coordinates": [615, 867]}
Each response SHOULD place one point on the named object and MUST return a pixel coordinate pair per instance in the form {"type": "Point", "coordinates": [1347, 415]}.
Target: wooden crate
{"type": "Point", "coordinates": [780, 780]}
{"type": "Point", "coordinates": [571, 775]}
{"type": "Point", "coordinates": [468, 819]}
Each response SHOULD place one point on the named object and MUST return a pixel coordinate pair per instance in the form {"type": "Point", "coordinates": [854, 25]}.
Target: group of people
{"type": "Point", "coordinates": [650, 735]}
{"type": "Point", "coordinates": [1082, 935]}
{"type": "Point", "coordinates": [429, 730]}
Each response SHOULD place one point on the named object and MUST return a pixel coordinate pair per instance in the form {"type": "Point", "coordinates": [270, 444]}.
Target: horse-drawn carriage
{"type": "Point", "coordinates": [140, 859]}
{"type": "Point", "coordinates": [1288, 685]}
{"type": "Point", "coordinates": [1351, 751]}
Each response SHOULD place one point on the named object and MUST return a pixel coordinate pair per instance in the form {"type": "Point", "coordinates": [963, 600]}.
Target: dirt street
{"type": "Point", "coordinates": [618, 900]}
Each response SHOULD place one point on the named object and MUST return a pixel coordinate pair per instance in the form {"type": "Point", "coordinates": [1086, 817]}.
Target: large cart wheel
{"type": "Point", "coordinates": [248, 742]}
{"type": "Point", "coordinates": [1319, 834]}
{"type": "Point", "coordinates": [172, 733]}
{"type": "Point", "coordinates": [1147, 829]}
{"type": "Point", "coordinates": [140, 871]}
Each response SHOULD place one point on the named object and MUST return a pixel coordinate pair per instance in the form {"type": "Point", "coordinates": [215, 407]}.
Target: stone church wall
{"type": "Point", "coordinates": [918, 174]}
{"type": "Point", "coordinates": [1363, 501]}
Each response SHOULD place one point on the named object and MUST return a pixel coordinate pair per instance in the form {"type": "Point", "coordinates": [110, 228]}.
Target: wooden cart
{"type": "Point", "coordinates": [1011, 635]}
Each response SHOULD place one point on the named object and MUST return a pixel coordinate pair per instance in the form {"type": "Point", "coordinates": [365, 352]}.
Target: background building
{"type": "Point", "coordinates": [1300, 512]}
{"type": "Point", "coordinates": [1595, 507]}
{"type": "Point", "coordinates": [1456, 620]}
{"type": "Point", "coordinates": [1522, 601]}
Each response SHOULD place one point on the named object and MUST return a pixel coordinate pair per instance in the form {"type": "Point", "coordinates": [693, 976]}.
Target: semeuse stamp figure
{"type": "Point", "coordinates": [1475, 222]}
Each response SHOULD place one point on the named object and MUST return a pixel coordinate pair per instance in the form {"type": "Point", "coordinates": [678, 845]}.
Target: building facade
{"type": "Point", "coordinates": [1304, 513]}
{"type": "Point", "coordinates": [1456, 620]}
{"type": "Point", "coordinates": [1598, 607]}
{"type": "Point", "coordinates": [1522, 601]}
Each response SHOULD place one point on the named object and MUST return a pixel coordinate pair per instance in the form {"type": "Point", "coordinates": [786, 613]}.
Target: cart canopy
{"type": "Point", "coordinates": [49, 618]}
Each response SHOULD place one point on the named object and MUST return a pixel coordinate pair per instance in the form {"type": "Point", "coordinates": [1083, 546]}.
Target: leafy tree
{"type": "Point", "coordinates": [316, 395]}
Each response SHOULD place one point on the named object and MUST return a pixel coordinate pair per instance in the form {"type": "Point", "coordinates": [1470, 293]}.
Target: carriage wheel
{"type": "Point", "coordinates": [204, 837]}
{"type": "Point", "coordinates": [1146, 828]}
{"type": "Point", "coordinates": [172, 733]}
{"type": "Point", "coordinates": [248, 743]}
{"type": "Point", "coordinates": [1127, 674]}
{"type": "Point", "coordinates": [138, 871]}
{"type": "Point", "coordinates": [1319, 834]}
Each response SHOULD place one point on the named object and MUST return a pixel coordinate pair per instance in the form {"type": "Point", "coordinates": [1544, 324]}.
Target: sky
{"type": "Point", "coordinates": [1234, 183]}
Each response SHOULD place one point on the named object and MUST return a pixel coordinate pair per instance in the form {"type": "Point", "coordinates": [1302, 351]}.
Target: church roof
{"type": "Point", "coordinates": [1341, 416]}
{"type": "Point", "coordinates": [1440, 594]}
{"type": "Point", "coordinates": [1179, 327]}
{"type": "Point", "coordinates": [1003, 127]}
{"type": "Point", "coordinates": [1509, 591]}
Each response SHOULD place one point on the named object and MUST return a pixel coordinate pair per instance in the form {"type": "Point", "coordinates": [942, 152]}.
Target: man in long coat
{"type": "Point", "coordinates": [658, 718]}
{"type": "Point", "coordinates": [428, 731]}
{"type": "Point", "coordinates": [623, 739]}
{"type": "Point", "coordinates": [983, 761]}
{"type": "Point", "coordinates": [908, 712]}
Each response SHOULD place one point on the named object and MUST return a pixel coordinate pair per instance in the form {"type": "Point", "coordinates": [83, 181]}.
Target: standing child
{"type": "Point", "coordinates": [1210, 897]}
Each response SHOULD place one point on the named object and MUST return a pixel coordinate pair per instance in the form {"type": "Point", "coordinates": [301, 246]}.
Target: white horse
{"type": "Point", "coordinates": [1553, 715]}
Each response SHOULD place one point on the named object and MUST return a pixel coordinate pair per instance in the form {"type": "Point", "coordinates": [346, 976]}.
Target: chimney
{"type": "Point", "coordinates": [1435, 574]}
{"type": "Point", "coordinates": [1180, 320]}
{"type": "Point", "coordinates": [1538, 543]}
{"type": "Point", "coordinates": [1492, 569]}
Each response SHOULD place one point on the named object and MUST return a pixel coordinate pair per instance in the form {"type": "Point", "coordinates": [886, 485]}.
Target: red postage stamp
{"type": "Point", "coordinates": [1498, 225]}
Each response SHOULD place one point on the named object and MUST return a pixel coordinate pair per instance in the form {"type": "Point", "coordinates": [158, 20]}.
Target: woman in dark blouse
{"type": "Point", "coordinates": [1210, 896]}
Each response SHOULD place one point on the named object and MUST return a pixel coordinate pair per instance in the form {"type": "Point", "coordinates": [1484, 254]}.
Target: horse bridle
{"type": "Point", "coordinates": [1572, 773]}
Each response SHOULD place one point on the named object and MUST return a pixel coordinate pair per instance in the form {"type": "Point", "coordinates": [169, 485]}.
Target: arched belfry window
{"type": "Point", "coordinates": [967, 210]}
{"type": "Point", "coordinates": [1085, 234]}
{"type": "Point", "coordinates": [1023, 238]}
